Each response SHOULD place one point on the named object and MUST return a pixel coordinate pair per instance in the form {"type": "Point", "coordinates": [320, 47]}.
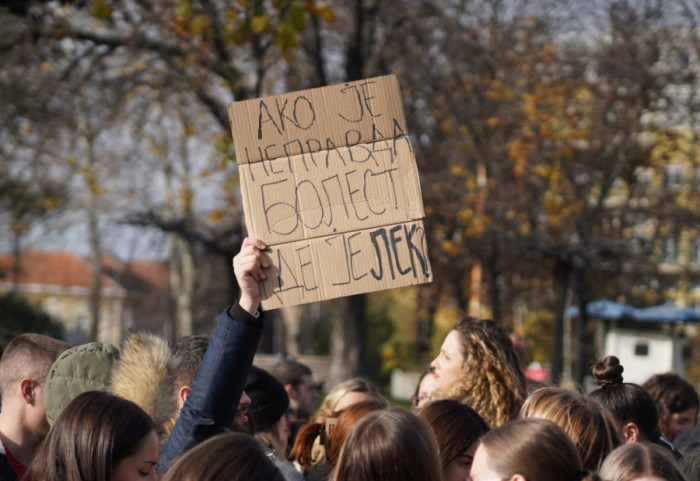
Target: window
{"type": "Point", "coordinates": [669, 250]}
{"type": "Point", "coordinates": [641, 350]}
{"type": "Point", "coordinates": [673, 176]}
{"type": "Point", "coordinates": [695, 251]}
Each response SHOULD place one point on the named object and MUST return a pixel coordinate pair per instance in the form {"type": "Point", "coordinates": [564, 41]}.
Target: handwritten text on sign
{"type": "Point", "coordinates": [318, 165]}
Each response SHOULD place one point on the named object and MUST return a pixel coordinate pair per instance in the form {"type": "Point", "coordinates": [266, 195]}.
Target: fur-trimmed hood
{"type": "Point", "coordinates": [144, 374]}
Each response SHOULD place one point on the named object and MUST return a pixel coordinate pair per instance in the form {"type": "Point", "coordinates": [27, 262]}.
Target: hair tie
{"type": "Point", "coordinates": [580, 475]}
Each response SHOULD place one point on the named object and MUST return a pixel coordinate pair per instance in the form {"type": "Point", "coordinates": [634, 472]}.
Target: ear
{"type": "Point", "coordinates": [26, 387]}
{"type": "Point", "coordinates": [182, 396]}
{"type": "Point", "coordinates": [290, 391]}
{"type": "Point", "coordinates": [517, 477]}
{"type": "Point", "coordinates": [630, 432]}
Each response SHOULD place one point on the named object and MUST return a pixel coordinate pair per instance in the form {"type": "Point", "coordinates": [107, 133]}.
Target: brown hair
{"type": "Point", "coordinates": [492, 381]}
{"type": "Point", "coordinates": [387, 445]}
{"type": "Point", "coordinates": [92, 434]}
{"type": "Point", "coordinates": [28, 356]}
{"type": "Point", "coordinates": [225, 457]}
{"type": "Point", "coordinates": [671, 394]}
{"type": "Point", "coordinates": [537, 449]}
{"type": "Point", "coordinates": [583, 419]}
{"type": "Point", "coordinates": [455, 425]}
{"type": "Point", "coordinates": [626, 402]}
{"type": "Point", "coordinates": [634, 460]}
{"type": "Point", "coordinates": [332, 436]}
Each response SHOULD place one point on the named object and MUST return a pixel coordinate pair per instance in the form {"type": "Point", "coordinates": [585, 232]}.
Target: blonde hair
{"type": "Point", "coordinates": [634, 460]}
{"type": "Point", "coordinates": [492, 381]}
{"type": "Point", "coordinates": [356, 384]}
{"type": "Point", "coordinates": [585, 420]}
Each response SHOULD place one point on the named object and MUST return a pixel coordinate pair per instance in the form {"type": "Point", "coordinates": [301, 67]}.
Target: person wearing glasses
{"type": "Point", "coordinates": [425, 389]}
{"type": "Point", "coordinates": [528, 450]}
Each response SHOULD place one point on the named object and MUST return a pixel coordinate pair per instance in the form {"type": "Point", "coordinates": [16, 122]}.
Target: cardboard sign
{"type": "Point", "coordinates": [329, 182]}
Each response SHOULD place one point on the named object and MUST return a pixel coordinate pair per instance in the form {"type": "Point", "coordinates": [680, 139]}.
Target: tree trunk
{"type": "Point", "coordinates": [182, 281]}
{"type": "Point", "coordinates": [562, 279]}
{"type": "Point", "coordinates": [291, 320]}
{"type": "Point", "coordinates": [347, 341]}
{"type": "Point", "coordinates": [91, 193]}
{"type": "Point", "coordinates": [581, 327]}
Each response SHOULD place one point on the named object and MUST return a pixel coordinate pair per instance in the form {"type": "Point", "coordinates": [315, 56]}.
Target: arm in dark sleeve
{"type": "Point", "coordinates": [211, 406]}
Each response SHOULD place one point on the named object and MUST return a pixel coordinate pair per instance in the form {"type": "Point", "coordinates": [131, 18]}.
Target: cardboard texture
{"type": "Point", "coordinates": [329, 181]}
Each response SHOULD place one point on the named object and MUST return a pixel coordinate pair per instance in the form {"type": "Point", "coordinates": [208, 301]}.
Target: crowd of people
{"type": "Point", "coordinates": [198, 410]}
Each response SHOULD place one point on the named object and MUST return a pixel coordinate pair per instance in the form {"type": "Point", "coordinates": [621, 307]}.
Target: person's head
{"type": "Point", "coordinates": [457, 429]}
{"type": "Point", "coordinates": [298, 381]}
{"type": "Point", "coordinates": [100, 437]}
{"type": "Point", "coordinates": [331, 432]}
{"type": "Point", "coordinates": [636, 461]}
{"type": "Point", "coordinates": [690, 462]}
{"type": "Point", "coordinates": [225, 457]}
{"type": "Point", "coordinates": [269, 406]}
{"type": "Point", "coordinates": [630, 406]}
{"type": "Point", "coordinates": [585, 421]}
{"type": "Point", "coordinates": [479, 364]}
{"type": "Point", "coordinates": [24, 366]}
{"type": "Point", "coordinates": [528, 450]}
{"type": "Point", "coordinates": [676, 401]}
{"type": "Point", "coordinates": [424, 389]}
{"type": "Point", "coordinates": [188, 353]}
{"type": "Point", "coordinates": [387, 445]}
{"type": "Point", "coordinates": [349, 392]}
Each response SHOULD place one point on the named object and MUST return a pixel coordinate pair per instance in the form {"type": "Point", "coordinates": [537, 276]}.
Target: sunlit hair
{"type": "Point", "coordinates": [536, 449]}
{"type": "Point", "coordinates": [456, 427]}
{"type": "Point", "coordinates": [331, 432]}
{"type": "Point", "coordinates": [585, 420]}
{"type": "Point", "coordinates": [389, 445]}
{"type": "Point", "coordinates": [356, 384]}
{"type": "Point", "coordinates": [225, 457]}
{"type": "Point", "coordinates": [671, 394]}
{"type": "Point", "coordinates": [635, 460]}
{"type": "Point", "coordinates": [92, 434]}
{"type": "Point", "coordinates": [492, 381]}
{"type": "Point", "coordinates": [626, 402]}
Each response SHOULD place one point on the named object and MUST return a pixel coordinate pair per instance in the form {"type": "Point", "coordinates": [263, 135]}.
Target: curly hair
{"type": "Point", "coordinates": [492, 381]}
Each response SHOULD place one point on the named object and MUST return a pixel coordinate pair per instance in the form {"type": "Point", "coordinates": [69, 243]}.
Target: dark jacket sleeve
{"type": "Point", "coordinates": [211, 406]}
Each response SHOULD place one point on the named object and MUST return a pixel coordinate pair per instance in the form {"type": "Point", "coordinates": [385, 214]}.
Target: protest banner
{"type": "Point", "coordinates": [329, 181]}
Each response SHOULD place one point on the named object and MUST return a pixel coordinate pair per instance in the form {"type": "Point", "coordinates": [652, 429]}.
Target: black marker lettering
{"type": "Point", "coordinates": [395, 241]}
{"type": "Point", "coordinates": [262, 106]}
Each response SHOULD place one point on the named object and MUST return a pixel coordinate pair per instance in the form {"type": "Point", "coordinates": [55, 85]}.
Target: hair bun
{"type": "Point", "coordinates": [608, 371]}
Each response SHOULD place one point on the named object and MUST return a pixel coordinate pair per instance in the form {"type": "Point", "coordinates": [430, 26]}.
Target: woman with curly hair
{"type": "Point", "coordinates": [479, 366]}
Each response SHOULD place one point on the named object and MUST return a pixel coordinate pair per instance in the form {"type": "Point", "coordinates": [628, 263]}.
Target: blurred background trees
{"type": "Point", "coordinates": [543, 132]}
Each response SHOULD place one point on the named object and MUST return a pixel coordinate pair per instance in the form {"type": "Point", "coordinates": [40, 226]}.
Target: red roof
{"type": "Point", "coordinates": [55, 268]}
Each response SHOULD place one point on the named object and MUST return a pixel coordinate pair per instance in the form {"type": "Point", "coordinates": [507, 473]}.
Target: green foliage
{"type": "Point", "coordinates": [380, 329]}
{"type": "Point", "coordinates": [537, 330]}
{"type": "Point", "coordinates": [19, 315]}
